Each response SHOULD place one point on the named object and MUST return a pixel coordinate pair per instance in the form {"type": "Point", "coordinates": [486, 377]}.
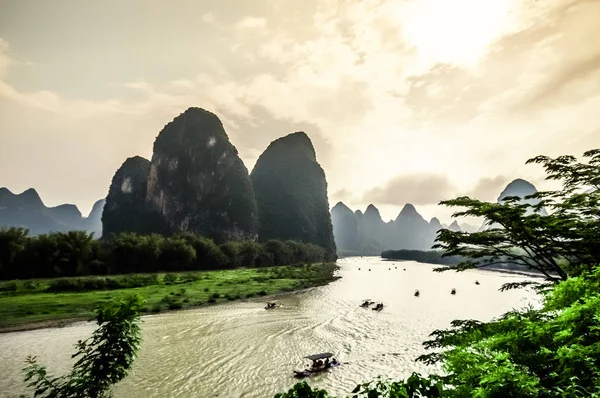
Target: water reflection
{"type": "Point", "coordinates": [240, 350]}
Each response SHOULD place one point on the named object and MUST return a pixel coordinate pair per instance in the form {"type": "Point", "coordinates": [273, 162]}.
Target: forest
{"type": "Point", "coordinates": [77, 253]}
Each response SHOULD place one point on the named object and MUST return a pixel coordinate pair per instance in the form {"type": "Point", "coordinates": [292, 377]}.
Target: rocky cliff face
{"type": "Point", "coordinates": [125, 208]}
{"type": "Point", "coordinates": [291, 193]}
{"type": "Point", "coordinates": [198, 183]}
{"type": "Point", "coordinates": [26, 210]}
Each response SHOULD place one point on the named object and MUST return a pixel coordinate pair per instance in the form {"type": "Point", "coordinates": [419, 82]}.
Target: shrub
{"type": "Point", "coordinates": [169, 279]}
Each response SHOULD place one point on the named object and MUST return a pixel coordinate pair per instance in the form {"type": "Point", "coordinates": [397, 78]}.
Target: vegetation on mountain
{"type": "Point", "coordinates": [551, 351]}
{"type": "Point", "coordinates": [291, 192]}
{"type": "Point", "coordinates": [197, 181]}
{"type": "Point", "coordinates": [76, 253]}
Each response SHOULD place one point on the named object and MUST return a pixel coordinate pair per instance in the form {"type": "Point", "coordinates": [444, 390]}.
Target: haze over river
{"type": "Point", "coordinates": [239, 349]}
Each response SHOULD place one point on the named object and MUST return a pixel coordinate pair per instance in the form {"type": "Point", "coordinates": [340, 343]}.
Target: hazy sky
{"type": "Point", "coordinates": [405, 101]}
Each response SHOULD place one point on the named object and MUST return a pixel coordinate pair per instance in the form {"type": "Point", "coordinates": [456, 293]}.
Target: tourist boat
{"type": "Point", "coordinates": [320, 363]}
{"type": "Point", "coordinates": [366, 303]}
{"type": "Point", "coordinates": [272, 304]}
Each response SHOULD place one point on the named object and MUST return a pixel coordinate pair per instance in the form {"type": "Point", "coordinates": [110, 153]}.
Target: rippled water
{"type": "Point", "coordinates": [240, 350]}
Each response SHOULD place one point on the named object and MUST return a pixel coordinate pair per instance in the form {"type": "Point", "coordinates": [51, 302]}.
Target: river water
{"type": "Point", "coordinates": [240, 350]}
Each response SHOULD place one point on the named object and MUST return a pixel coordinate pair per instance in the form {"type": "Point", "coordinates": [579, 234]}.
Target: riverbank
{"type": "Point", "coordinates": [27, 305]}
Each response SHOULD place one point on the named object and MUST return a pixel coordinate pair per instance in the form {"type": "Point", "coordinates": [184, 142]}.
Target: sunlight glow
{"type": "Point", "coordinates": [455, 31]}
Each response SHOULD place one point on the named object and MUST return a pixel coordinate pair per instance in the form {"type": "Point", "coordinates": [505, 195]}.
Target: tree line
{"type": "Point", "coordinates": [430, 256]}
{"type": "Point", "coordinates": [77, 253]}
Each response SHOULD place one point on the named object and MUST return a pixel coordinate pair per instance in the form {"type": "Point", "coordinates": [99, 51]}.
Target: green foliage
{"type": "Point", "coordinates": [12, 242]}
{"type": "Point", "coordinates": [77, 253]}
{"type": "Point", "coordinates": [103, 360]}
{"type": "Point", "coordinates": [431, 256]}
{"type": "Point", "coordinates": [550, 352]}
{"type": "Point", "coordinates": [291, 193]}
{"type": "Point", "coordinates": [415, 386]}
{"type": "Point", "coordinates": [564, 242]}
{"type": "Point", "coordinates": [303, 390]}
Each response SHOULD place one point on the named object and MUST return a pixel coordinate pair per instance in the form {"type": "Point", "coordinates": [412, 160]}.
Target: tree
{"type": "Point", "coordinates": [550, 352]}
{"type": "Point", "coordinates": [12, 242]}
{"type": "Point", "coordinates": [104, 359]}
{"type": "Point", "coordinates": [565, 242]}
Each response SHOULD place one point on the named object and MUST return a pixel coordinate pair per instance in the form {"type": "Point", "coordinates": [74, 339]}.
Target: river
{"type": "Point", "coordinates": [240, 350]}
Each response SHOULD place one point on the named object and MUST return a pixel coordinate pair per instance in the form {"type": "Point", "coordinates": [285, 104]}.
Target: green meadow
{"type": "Point", "coordinates": [28, 304]}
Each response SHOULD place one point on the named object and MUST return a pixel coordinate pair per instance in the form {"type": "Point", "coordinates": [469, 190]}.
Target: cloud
{"type": "Point", "coordinates": [341, 195]}
{"type": "Point", "coordinates": [488, 188]}
{"type": "Point", "coordinates": [350, 74]}
{"type": "Point", "coordinates": [418, 189]}
{"type": "Point", "coordinates": [251, 23]}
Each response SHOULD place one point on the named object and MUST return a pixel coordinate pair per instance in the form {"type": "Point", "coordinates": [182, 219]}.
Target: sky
{"type": "Point", "coordinates": [407, 101]}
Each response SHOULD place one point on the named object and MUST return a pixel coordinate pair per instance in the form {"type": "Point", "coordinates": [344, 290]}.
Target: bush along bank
{"type": "Point", "coordinates": [77, 253]}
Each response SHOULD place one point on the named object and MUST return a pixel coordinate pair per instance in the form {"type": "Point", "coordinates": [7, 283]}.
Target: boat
{"type": "Point", "coordinates": [366, 303]}
{"type": "Point", "coordinates": [272, 304]}
{"type": "Point", "coordinates": [318, 365]}
{"type": "Point", "coordinates": [378, 307]}
{"type": "Point", "coordinates": [453, 291]}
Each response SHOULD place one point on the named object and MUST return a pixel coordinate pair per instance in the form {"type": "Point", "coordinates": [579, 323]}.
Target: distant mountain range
{"type": "Point", "coordinates": [358, 233]}
{"type": "Point", "coordinates": [355, 232]}
{"type": "Point", "coordinates": [28, 211]}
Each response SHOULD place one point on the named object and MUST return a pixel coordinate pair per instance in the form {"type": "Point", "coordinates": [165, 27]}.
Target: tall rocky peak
{"type": "Point", "coordinates": [340, 207]}
{"type": "Point", "coordinates": [518, 187]}
{"type": "Point", "coordinates": [345, 226]}
{"type": "Point", "coordinates": [409, 212]}
{"type": "Point", "coordinates": [291, 192]}
{"type": "Point", "coordinates": [198, 183]}
{"type": "Point", "coordinates": [454, 226]}
{"type": "Point", "coordinates": [522, 188]}
{"type": "Point", "coordinates": [372, 213]}
{"type": "Point", "coordinates": [125, 209]}
{"type": "Point", "coordinates": [435, 224]}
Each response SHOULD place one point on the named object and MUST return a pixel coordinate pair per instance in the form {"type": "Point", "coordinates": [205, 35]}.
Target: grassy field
{"type": "Point", "coordinates": [49, 302]}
